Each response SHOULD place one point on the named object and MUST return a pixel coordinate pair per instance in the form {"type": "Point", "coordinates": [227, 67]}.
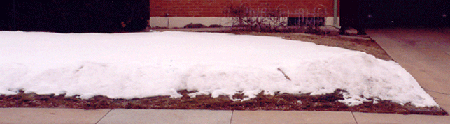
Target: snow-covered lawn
{"type": "Point", "coordinates": [135, 65]}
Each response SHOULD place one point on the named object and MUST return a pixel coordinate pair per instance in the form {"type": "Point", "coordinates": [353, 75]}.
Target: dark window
{"type": "Point", "coordinates": [306, 21]}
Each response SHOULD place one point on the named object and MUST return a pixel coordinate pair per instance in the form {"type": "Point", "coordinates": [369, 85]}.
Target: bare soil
{"type": "Point", "coordinates": [282, 102]}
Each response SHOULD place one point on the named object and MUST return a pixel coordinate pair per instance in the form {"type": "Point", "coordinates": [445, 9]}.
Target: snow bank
{"type": "Point", "coordinates": [160, 63]}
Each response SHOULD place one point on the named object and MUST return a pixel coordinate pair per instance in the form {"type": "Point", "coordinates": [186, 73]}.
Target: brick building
{"type": "Point", "coordinates": [178, 13]}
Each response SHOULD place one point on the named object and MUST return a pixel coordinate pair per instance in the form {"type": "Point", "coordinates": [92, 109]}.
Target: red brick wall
{"type": "Point", "coordinates": [216, 8]}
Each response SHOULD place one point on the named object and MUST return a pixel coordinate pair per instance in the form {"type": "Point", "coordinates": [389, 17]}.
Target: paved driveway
{"type": "Point", "coordinates": [425, 53]}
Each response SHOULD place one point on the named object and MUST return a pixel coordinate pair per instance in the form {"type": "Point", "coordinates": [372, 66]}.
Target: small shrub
{"type": "Point", "coordinates": [215, 26]}
{"type": "Point", "coordinates": [194, 26]}
{"type": "Point", "coordinates": [157, 27]}
{"type": "Point", "coordinates": [267, 20]}
{"type": "Point", "coordinates": [315, 30]}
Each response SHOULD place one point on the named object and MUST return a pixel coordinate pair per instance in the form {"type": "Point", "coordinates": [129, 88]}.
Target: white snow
{"type": "Point", "coordinates": [130, 65]}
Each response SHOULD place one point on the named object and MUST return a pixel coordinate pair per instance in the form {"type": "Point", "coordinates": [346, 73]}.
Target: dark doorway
{"type": "Point", "coordinates": [400, 13]}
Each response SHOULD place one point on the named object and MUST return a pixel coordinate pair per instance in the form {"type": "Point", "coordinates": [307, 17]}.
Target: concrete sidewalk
{"type": "Point", "coordinates": [155, 116]}
{"type": "Point", "coordinates": [424, 53]}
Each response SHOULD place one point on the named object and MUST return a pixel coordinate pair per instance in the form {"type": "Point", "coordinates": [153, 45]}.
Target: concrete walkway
{"type": "Point", "coordinates": [424, 53]}
{"type": "Point", "coordinates": [158, 116]}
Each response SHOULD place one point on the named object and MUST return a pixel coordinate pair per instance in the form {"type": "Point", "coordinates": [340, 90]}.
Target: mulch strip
{"type": "Point", "coordinates": [281, 102]}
